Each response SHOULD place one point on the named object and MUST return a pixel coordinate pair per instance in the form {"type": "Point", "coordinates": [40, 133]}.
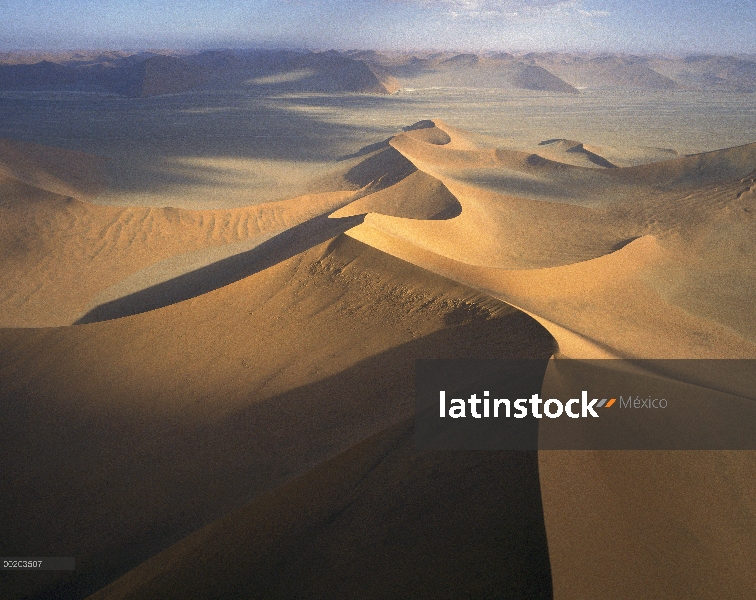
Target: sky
{"type": "Point", "coordinates": [641, 26]}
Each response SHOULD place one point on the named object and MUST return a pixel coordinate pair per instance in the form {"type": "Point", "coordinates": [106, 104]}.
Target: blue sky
{"type": "Point", "coordinates": [677, 26]}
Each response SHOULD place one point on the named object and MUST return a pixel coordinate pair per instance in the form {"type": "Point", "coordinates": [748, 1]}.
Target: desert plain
{"type": "Point", "coordinates": [217, 271]}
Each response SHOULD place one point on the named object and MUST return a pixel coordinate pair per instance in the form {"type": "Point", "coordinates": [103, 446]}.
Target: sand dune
{"type": "Point", "coordinates": [533, 77]}
{"type": "Point", "coordinates": [631, 156]}
{"type": "Point", "coordinates": [62, 172]}
{"type": "Point", "coordinates": [676, 524]}
{"type": "Point", "coordinates": [709, 72]}
{"type": "Point", "coordinates": [571, 71]}
{"type": "Point", "coordinates": [574, 153]}
{"type": "Point", "coordinates": [76, 249]}
{"type": "Point", "coordinates": [470, 70]}
{"type": "Point", "coordinates": [379, 521]}
{"type": "Point", "coordinates": [417, 196]}
{"type": "Point", "coordinates": [150, 426]}
{"type": "Point", "coordinates": [668, 208]}
{"type": "Point", "coordinates": [674, 287]}
{"type": "Point", "coordinates": [697, 72]}
{"type": "Point", "coordinates": [607, 70]}
{"type": "Point", "coordinates": [147, 74]}
{"type": "Point", "coordinates": [241, 370]}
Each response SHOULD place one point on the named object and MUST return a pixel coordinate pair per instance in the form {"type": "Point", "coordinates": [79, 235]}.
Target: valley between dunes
{"type": "Point", "coordinates": [218, 403]}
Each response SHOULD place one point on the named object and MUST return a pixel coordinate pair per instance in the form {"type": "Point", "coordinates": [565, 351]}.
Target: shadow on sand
{"type": "Point", "coordinates": [288, 243]}
{"type": "Point", "coordinates": [380, 520]}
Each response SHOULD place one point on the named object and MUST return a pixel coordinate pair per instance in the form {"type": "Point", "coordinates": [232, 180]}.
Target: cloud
{"type": "Point", "coordinates": [593, 13]}
{"type": "Point", "coordinates": [511, 9]}
{"type": "Point", "coordinates": [491, 5]}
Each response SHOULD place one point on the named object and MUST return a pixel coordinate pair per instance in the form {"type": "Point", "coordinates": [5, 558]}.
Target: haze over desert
{"type": "Point", "coordinates": [218, 269]}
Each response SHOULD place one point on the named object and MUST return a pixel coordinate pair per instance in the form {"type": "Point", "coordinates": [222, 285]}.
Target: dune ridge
{"type": "Point", "coordinates": [78, 249]}
{"type": "Point", "coordinates": [635, 233]}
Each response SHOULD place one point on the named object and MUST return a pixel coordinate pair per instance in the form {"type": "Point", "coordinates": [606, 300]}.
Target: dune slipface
{"type": "Point", "coordinates": [246, 374]}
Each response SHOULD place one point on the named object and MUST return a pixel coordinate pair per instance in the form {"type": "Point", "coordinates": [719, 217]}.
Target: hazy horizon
{"type": "Point", "coordinates": [645, 27]}
{"type": "Point", "coordinates": [419, 51]}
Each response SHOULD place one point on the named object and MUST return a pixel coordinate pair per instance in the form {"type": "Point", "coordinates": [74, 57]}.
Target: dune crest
{"type": "Point", "coordinates": [60, 253]}
{"type": "Point", "coordinates": [417, 196]}
{"type": "Point", "coordinates": [589, 251]}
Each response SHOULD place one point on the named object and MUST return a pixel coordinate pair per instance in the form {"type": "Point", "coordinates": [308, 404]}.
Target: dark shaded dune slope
{"type": "Point", "coordinates": [533, 77]}
{"type": "Point", "coordinates": [127, 435]}
{"type": "Point", "coordinates": [223, 272]}
{"type": "Point", "coordinates": [379, 521]}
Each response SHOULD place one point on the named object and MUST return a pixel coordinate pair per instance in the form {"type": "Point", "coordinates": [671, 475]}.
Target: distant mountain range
{"type": "Point", "coordinates": [152, 74]}
{"type": "Point", "coordinates": [570, 72]}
